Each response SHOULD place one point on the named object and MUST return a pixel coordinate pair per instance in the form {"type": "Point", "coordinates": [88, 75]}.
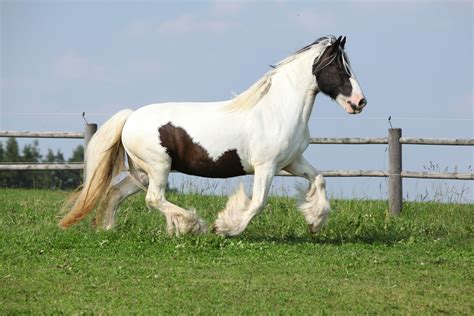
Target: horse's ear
{"type": "Point", "coordinates": [335, 46]}
{"type": "Point", "coordinates": [343, 42]}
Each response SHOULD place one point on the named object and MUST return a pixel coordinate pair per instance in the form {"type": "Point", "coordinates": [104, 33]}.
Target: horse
{"type": "Point", "coordinates": [262, 131]}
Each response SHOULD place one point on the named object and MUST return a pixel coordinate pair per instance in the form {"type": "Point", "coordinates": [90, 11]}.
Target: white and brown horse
{"type": "Point", "coordinates": [262, 131]}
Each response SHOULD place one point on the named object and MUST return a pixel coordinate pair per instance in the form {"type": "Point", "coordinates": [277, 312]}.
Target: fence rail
{"type": "Point", "coordinates": [384, 140]}
{"type": "Point", "coordinates": [349, 140]}
{"type": "Point", "coordinates": [326, 173]}
{"type": "Point", "coordinates": [394, 142]}
{"type": "Point", "coordinates": [28, 134]}
{"type": "Point", "coordinates": [437, 141]}
{"type": "Point", "coordinates": [42, 166]}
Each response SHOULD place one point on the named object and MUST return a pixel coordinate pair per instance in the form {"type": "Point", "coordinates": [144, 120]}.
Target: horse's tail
{"type": "Point", "coordinates": [104, 158]}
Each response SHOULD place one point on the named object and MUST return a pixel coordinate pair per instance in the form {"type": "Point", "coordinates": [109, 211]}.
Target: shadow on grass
{"type": "Point", "coordinates": [295, 239]}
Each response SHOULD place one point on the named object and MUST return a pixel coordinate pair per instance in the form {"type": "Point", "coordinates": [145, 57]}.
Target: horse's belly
{"type": "Point", "coordinates": [191, 158]}
{"type": "Point", "coordinates": [228, 165]}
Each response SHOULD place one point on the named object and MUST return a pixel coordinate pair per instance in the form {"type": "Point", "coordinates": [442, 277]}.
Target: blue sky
{"type": "Point", "coordinates": [413, 60]}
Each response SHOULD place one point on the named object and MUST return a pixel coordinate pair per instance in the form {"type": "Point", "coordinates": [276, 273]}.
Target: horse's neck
{"type": "Point", "coordinates": [294, 91]}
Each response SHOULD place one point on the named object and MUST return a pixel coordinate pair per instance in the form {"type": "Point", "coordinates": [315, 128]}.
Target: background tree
{"type": "Point", "coordinates": [11, 151]}
{"type": "Point", "coordinates": [77, 154]}
{"type": "Point", "coordinates": [30, 153]}
{"type": "Point", "coordinates": [31, 179]}
{"type": "Point", "coordinates": [11, 155]}
{"type": "Point", "coordinates": [76, 177]}
{"type": "Point", "coordinates": [2, 157]}
{"type": "Point", "coordinates": [2, 151]}
{"type": "Point", "coordinates": [54, 178]}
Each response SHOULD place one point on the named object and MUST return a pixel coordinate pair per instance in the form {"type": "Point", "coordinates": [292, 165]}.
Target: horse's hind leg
{"type": "Point", "coordinates": [178, 220]}
{"type": "Point", "coordinates": [115, 195]}
{"type": "Point", "coordinates": [315, 204]}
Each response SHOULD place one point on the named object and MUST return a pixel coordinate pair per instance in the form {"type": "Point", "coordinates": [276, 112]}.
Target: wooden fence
{"type": "Point", "coordinates": [394, 141]}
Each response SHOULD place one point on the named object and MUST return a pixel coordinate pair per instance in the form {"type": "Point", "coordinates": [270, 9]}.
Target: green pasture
{"type": "Point", "coordinates": [363, 262]}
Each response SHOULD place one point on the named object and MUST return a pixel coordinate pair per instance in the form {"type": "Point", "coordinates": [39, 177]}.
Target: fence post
{"type": "Point", "coordinates": [89, 131]}
{"type": "Point", "coordinates": [395, 189]}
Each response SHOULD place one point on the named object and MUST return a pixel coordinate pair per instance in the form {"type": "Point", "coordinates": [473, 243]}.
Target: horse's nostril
{"type": "Point", "coordinates": [353, 106]}
{"type": "Point", "coordinates": [362, 102]}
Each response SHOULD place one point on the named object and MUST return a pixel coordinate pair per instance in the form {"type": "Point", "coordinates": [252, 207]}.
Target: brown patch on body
{"type": "Point", "coordinates": [191, 158]}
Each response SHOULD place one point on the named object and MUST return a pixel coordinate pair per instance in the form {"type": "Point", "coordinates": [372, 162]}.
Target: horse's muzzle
{"type": "Point", "coordinates": [357, 108]}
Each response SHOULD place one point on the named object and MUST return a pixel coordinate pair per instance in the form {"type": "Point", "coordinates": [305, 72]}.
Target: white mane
{"type": "Point", "coordinates": [250, 97]}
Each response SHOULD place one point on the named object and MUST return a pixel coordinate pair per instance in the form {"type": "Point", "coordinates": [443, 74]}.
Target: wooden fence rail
{"type": "Point", "coordinates": [394, 142]}
{"type": "Point", "coordinates": [385, 140]}
{"type": "Point", "coordinates": [28, 134]}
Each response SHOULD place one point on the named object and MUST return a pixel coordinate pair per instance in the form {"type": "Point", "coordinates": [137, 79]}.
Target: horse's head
{"type": "Point", "coordinates": [335, 78]}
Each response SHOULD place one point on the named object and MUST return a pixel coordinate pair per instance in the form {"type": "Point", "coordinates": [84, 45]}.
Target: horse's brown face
{"type": "Point", "coordinates": [335, 79]}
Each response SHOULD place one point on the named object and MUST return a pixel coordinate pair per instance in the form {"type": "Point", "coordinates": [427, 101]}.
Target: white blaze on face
{"type": "Point", "coordinates": [357, 95]}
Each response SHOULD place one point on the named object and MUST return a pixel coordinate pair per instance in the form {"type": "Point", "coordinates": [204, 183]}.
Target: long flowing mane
{"type": "Point", "coordinates": [250, 97]}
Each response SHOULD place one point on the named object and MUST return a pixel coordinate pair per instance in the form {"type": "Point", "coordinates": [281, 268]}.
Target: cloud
{"type": "Point", "coordinates": [72, 66]}
{"type": "Point", "coordinates": [187, 23]}
{"type": "Point", "coordinates": [139, 28]}
{"type": "Point", "coordinates": [410, 2]}
{"type": "Point", "coordinates": [228, 7]}
{"type": "Point", "coordinates": [144, 66]}
{"type": "Point", "coordinates": [213, 22]}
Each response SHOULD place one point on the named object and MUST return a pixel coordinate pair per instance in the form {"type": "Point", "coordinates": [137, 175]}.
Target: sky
{"type": "Point", "coordinates": [413, 60]}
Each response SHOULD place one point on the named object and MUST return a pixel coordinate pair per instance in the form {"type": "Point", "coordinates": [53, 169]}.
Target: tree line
{"type": "Point", "coordinates": [51, 179]}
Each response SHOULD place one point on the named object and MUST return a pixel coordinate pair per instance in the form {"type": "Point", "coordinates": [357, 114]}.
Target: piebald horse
{"type": "Point", "coordinates": [263, 131]}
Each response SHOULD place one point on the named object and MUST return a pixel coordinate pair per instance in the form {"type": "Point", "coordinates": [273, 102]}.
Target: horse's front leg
{"type": "Point", "coordinates": [314, 203]}
{"type": "Point", "coordinates": [239, 210]}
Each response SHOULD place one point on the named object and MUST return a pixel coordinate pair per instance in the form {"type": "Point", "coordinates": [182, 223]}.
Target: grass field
{"type": "Point", "coordinates": [362, 262]}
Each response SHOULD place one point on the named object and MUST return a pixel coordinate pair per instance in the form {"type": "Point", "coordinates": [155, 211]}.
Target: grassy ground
{"type": "Point", "coordinates": [362, 262]}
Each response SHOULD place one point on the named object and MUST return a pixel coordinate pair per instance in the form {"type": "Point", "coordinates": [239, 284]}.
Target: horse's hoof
{"type": "Point", "coordinates": [313, 229]}
{"type": "Point", "coordinates": [216, 230]}
{"type": "Point", "coordinates": [200, 227]}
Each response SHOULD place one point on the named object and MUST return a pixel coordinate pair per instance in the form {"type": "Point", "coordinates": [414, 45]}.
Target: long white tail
{"type": "Point", "coordinates": [104, 158]}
